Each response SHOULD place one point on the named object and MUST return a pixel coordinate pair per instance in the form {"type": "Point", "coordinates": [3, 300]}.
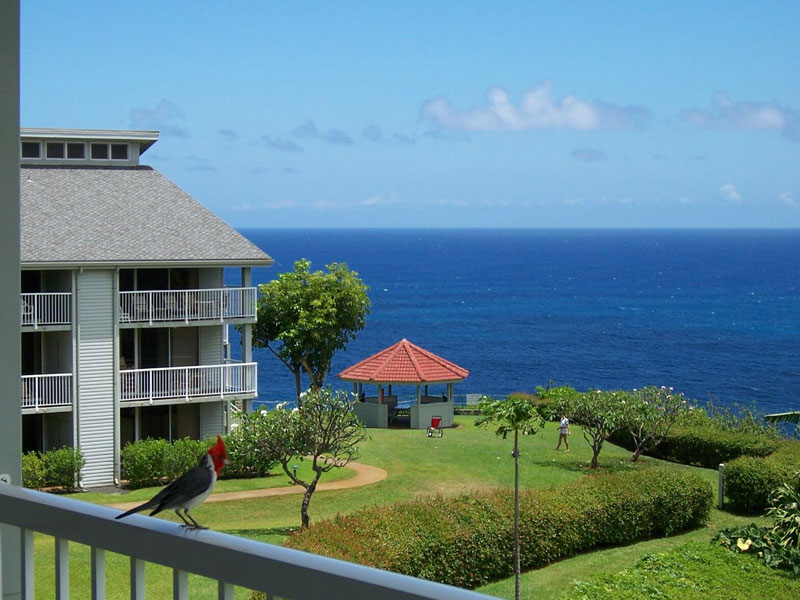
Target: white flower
{"type": "Point", "coordinates": [295, 409]}
{"type": "Point", "coordinates": [263, 411]}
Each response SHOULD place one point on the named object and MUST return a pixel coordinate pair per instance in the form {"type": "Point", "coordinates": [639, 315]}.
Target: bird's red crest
{"type": "Point", "coordinates": [219, 455]}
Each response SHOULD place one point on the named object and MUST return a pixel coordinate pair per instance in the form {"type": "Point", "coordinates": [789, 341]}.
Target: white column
{"type": "Point", "coordinates": [247, 337]}
{"type": "Point", "coordinates": [10, 422]}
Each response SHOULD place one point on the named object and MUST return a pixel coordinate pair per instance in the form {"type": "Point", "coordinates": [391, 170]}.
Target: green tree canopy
{"type": "Point", "coordinates": [322, 429]}
{"type": "Point", "coordinates": [304, 317]}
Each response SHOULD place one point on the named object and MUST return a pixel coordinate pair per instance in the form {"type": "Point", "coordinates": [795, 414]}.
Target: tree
{"type": "Point", "coordinates": [305, 317]}
{"type": "Point", "coordinates": [322, 429]}
{"type": "Point", "coordinates": [516, 414]}
{"type": "Point", "coordinates": [649, 414]}
{"type": "Point", "coordinates": [599, 414]}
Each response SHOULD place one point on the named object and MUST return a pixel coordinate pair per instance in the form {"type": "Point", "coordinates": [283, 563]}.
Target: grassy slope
{"type": "Point", "coordinates": [465, 459]}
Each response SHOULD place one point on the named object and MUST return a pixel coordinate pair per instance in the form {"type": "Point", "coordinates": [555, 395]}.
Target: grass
{"type": "Point", "coordinates": [695, 570]}
{"type": "Point", "coordinates": [465, 459]}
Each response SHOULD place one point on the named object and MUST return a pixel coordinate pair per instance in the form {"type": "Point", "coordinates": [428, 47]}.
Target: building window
{"type": "Point", "coordinates": [31, 150]}
{"type": "Point", "coordinates": [76, 150]}
{"type": "Point", "coordinates": [55, 149]}
{"type": "Point", "coordinates": [119, 151]}
{"type": "Point", "coordinates": [100, 151]}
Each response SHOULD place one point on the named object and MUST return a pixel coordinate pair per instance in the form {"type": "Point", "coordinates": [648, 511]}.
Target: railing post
{"type": "Point", "coordinates": [28, 587]}
{"type": "Point", "coordinates": [98, 574]}
{"type": "Point", "coordinates": [721, 491]}
{"type": "Point", "coordinates": [225, 591]}
{"type": "Point", "coordinates": [137, 579]}
{"type": "Point", "coordinates": [62, 569]}
{"type": "Point", "coordinates": [180, 585]}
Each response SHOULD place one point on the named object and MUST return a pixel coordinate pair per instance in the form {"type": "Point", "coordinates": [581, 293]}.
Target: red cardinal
{"type": "Point", "coordinates": [190, 489]}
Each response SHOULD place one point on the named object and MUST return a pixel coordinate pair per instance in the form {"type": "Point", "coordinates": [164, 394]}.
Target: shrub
{"type": "Point", "coordinates": [750, 481]}
{"type": "Point", "coordinates": [33, 472]}
{"type": "Point", "coordinates": [247, 455]}
{"type": "Point", "coordinates": [763, 543]}
{"type": "Point", "coordinates": [145, 462]}
{"type": "Point", "coordinates": [61, 467]}
{"type": "Point", "coordinates": [185, 454]}
{"type": "Point", "coordinates": [467, 540]}
{"type": "Point", "coordinates": [706, 442]}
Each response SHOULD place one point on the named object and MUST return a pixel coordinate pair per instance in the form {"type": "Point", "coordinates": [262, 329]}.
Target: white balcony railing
{"type": "Point", "coordinates": [228, 560]}
{"type": "Point", "coordinates": [188, 305]}
{"type": "Point", "coordinates": [46, 391]}
{"type": "Point", "coordinates": [233, 379]}
{"type": "Point", "coordinates": [45, 308]}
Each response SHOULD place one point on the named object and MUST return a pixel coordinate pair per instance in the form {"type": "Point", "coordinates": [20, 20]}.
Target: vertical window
{"type": "Point", "coordinates": [119, 151]}
{"type": "Point", "coordinates": [55, 149]}
{"type": "Point", "coordinates": [76, 150]}
{"type": "Point", "coordinates": [31, 150]}
{"type": "Point", "coordinates": [100, 151]}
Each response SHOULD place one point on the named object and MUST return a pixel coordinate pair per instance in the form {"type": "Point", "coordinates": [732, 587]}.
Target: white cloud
{"type": "Point", "coordinates": [282, 145]}
{"type": "Point", "coordinates": [332, 136]}
{"type": "Point", "coordinates": [165, 117]}
{"type": "Point", "coordinates": [538, 109]}
{"type": "Point", "coordinates": [746, 115]}
{"type": "Point", "coordinates": [788, 199]}
{"type": "Point", "coordinates": [729, 193]}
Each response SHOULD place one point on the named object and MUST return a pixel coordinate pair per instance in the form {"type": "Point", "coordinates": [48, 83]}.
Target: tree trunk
{"type": "Point", "coordinates": [517, 570]}
{"type": "Point", "coordinates": [304, 520]}
{"type": "Point", "coordinates": [297, 382]}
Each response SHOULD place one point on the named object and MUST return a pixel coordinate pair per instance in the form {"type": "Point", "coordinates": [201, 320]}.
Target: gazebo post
{"type": "Point", "coordinates": [450, 393]}
{"type": "Point", "coordinates": [380, 393]}
{"type": "Point", "coordinates": [419, 399]}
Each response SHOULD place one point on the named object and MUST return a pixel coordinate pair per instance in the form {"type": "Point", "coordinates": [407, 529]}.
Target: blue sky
{"type": "Point", "coordinates": [440, 114]}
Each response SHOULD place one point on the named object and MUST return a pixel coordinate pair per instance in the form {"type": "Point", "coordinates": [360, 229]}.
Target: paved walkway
{"type": "Point", "coordinates": [365, 475]}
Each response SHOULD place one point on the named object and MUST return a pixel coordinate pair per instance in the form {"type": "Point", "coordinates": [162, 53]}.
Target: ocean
{"type": "Point", "coordinates": [713, 313]}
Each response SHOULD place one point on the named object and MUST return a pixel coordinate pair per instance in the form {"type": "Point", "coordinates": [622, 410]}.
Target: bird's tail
{"type": "Point", "coordinates": [135, 509]}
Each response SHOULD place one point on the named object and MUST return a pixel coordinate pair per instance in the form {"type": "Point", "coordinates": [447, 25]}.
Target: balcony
{"type": "Point", "coordinates": [46, 393]}
{"type": "Point", "coordinates": [207, 382]}
{"type": "Point", "coordinates": [229, 561]}
{"type": "Point", "coordinates": [196, 307]}
{"type": "Point", "coordinates": [50, 310]}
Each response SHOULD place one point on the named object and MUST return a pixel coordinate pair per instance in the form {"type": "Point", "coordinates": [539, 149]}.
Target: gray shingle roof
{"type": "Point", "coordinates": [121, 215]}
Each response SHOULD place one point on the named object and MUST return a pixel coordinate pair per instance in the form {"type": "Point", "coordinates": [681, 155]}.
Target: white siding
{"type": "Point", "coordinates": [95, 375]}
{"type": "Point", "coordinates": [212, 419]}
{"type": "Point", "coordinates": [210, 279]}
{"type": "Point", "coordinates": [210, 345]}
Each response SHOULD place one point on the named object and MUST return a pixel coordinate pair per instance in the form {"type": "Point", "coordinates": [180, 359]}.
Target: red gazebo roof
{"type": "Point", "coordinates": [404, 363]}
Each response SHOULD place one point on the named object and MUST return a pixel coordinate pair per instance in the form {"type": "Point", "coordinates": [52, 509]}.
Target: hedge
{"type": "Point", "coordinates": [152, 462]}
{"type": "Point", "coordinates": [467, 540]}
{"type": "Point", "coordinates": [54, 469]}
{"type": "Point", "coordinates": [704, 443]}
{"type": "Point", "coordinates": [750, 481]}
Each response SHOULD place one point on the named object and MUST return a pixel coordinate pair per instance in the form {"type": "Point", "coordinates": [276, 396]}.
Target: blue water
{"type": "Point", "coordinates": [716, 314]}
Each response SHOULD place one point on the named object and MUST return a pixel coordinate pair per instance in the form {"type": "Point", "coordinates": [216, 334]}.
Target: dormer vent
{"type": "Point", "coordinates": [84, 146]}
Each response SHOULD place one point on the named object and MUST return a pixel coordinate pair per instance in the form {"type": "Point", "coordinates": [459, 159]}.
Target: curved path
{"type": "Point", "coordinates": [365, 475]}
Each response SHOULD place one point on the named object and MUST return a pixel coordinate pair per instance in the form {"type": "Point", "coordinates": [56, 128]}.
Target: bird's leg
{"type": "Point", "coordinates": [194, 524]}
{"type": "Point", "coordinates": [185, 522]}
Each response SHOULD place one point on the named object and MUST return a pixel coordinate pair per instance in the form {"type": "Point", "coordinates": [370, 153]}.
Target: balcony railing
{"type": "Point", "coordinates": [233, 379]}
{"type": "Point", "coordinates": [228, 560]}
{"type": "Point", "coordinates": [188, 305]}
{"type": "Point", "coordinates": [46, 391]}
{"type": "Point", "coordinates": [45, 308]}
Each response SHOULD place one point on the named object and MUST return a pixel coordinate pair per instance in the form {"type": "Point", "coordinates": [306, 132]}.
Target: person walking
{"type": "Point", "coordinates": [563, 432]}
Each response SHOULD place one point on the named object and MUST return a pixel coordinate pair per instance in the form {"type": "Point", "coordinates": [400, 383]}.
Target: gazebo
{"type": "Point", "coordinates": [403, 364]}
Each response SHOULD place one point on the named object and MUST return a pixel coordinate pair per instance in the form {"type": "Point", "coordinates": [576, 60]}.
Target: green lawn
{"type": "Point", "coordinates": [466, 458]}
